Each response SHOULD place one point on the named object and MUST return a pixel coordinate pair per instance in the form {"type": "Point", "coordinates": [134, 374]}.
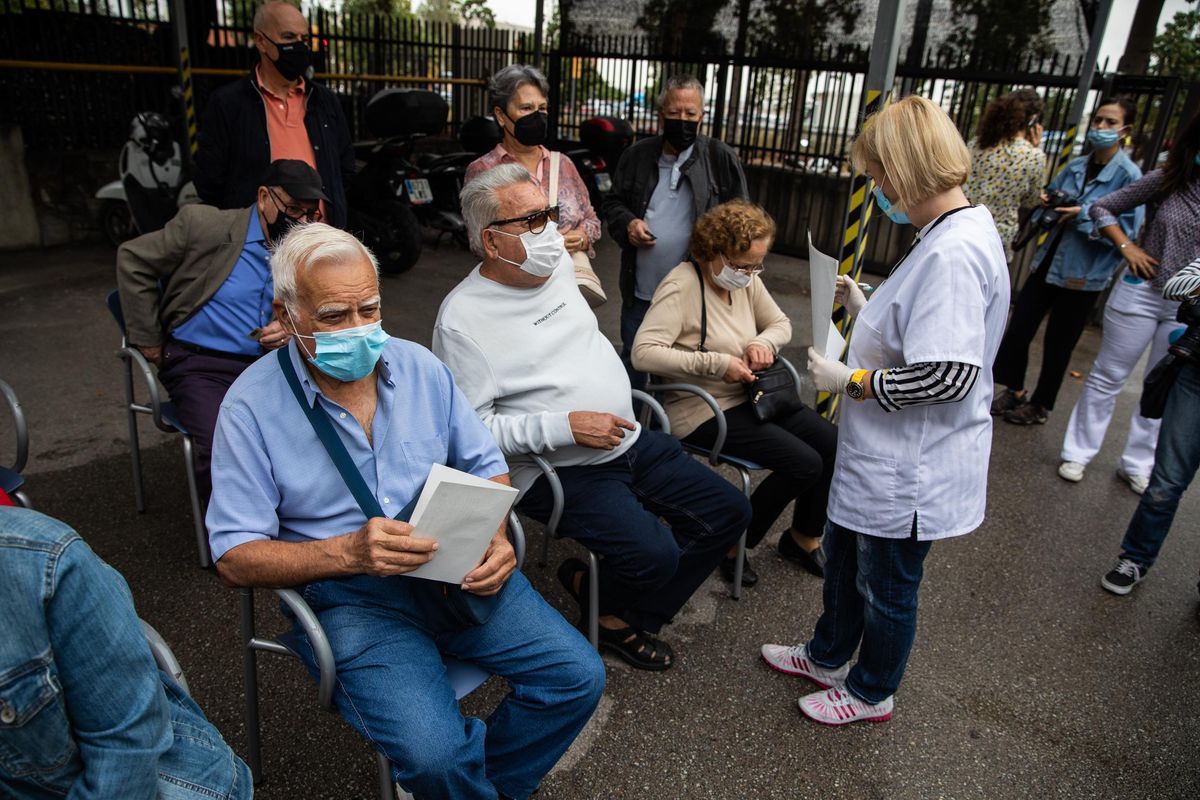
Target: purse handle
{"type": "Point", "coordinates": [703, 309]}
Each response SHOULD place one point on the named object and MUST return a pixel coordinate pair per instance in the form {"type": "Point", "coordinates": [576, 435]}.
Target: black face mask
{"type": "Point", "coordinates": [531, 129]}
{"type": "Point", "coordinates": [278, 229]}
{"type": "Point", "coordinates": [680, 133]}
{"type": "Point", "coordinates": [294, 58]}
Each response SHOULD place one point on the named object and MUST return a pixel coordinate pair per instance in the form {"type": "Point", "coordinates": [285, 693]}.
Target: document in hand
{"type": "Point", "coordinates": [462, 512]}
{"type": "Point", "coordinates": [827, 340]}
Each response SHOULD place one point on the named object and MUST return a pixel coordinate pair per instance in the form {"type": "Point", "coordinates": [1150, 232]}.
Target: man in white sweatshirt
{"type": "Point", "coordinates": [526, 350]}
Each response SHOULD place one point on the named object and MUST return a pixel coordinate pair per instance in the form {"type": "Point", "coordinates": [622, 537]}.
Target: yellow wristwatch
{"type": "Point", "coordinates": [855, 388]}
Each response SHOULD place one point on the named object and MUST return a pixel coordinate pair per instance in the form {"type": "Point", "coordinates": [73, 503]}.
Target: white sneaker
{"type": "Point", "coordinates": [795, 661]}
{"type": "Point", "coordinates": [1071, 471]}
{"type": "Point", "coordinates": [1137, 483]}
{"type": "Point", "coordinates": [837, 706]}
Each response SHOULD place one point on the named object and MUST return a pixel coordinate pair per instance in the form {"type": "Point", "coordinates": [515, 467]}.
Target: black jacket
{"type": "Point", "coordinates": [712, 170]}
{"type": "Point", "coordinates": [235, 151]}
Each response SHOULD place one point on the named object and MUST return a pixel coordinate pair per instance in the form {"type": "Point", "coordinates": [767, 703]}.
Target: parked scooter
{"type": "Point", "coordinates": [604, 139]}
{"type": "Point", "coordinates": [397, 190]}
{"type": "Point", "coordinates": [152, 186]}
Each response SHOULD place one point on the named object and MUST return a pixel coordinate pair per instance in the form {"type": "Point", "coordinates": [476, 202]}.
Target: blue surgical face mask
{"type": "Point", "coordinates": [885, 205]}
{"type": "Point", "coordinates": [1102, 138]}
{"type": "Point", "coordinates": [349, 354]}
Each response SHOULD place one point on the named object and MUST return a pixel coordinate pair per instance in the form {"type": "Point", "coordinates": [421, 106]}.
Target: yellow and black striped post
{"type": "Point", "coordinates": [881, 73]}
{"type": "Point", "coordinates": [189, 101]}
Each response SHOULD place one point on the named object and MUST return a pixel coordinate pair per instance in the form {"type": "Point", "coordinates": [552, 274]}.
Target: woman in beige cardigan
{"type": "Point", "coordinates": [745, 330]}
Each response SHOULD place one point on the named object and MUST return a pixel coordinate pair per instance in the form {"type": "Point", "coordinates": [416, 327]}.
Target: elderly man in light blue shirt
{"type": "Point", "coordinates": [282, 515]}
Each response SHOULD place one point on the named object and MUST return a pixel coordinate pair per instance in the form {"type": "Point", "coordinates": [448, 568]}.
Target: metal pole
{"type": "Point", "coordinates": [539, 17]}
{"type": "Point", "coordinates": [881, 72]}
{"type": "Point", "coordinates": [1087, 73]}
{"type": "Point", "coordinates": [179, 26]}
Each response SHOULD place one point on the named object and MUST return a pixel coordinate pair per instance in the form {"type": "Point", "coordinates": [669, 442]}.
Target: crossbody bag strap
{"type": "Point", "coordinates": [554, 156]}
{"type": "Point", "coordinates": [336, 448]}
{"type": "Point", "coordinates": [703, 309]}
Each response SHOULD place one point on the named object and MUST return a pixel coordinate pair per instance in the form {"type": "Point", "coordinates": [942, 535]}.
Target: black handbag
{"type": "Point", "coordinates": [774, 393]}
{"type": "Point", "coordinates": [1158, 385]}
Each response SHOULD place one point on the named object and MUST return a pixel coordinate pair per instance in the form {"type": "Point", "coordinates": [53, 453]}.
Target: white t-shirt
{"type": "Point", "coordinates": [526, 358]}
{"type": "Point", "coordinates": [947, 301]}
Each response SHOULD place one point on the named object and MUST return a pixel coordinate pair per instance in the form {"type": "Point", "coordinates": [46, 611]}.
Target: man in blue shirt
{"type": "Point", "coordinates": [282, 515]}
{"type": "Point", "coordinates": [196, 295]}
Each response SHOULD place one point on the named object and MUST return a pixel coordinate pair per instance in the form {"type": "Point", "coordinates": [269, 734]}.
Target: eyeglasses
{"type": "Point", "coordinates": [535, 222]}
{"type": "Point", "coordinates": [295, 212]}
{"type": "Point", "coordinates": [747, 269]}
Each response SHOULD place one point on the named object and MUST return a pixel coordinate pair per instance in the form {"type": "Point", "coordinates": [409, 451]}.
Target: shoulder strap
{"type": "Point", "coordinates": [336, 448]}
{"type": "Point", "coordinates": [703, 309]}
{"type": "Point", "coordinates": [554, 156]}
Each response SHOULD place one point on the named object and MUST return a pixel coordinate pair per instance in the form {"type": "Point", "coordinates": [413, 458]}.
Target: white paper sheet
{"type": "Point", "coordinates": [822, 270]}
{"type": "Point", "coordinates": [462, 512]}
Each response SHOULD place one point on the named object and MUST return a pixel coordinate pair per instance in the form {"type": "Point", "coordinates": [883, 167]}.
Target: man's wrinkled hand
{"type": "Point", "coordinates": [639, 234]}
{"type": "Point", "coordinates": [385, 547]}
{"type": "Point", "coordinates": [153, 354]}
{"type": "Point", "coordinates": [598, 430]}
{"type": "Point", "coordinates": [494, 570]}
{"type": "Point", "coordinates": [274, 335]}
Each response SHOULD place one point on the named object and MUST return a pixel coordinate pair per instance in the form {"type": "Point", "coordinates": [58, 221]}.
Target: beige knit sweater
{"type": "Point", "coordinates": [666, 343]}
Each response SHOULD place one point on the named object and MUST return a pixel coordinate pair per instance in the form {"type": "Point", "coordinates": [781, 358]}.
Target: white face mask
{"type": "Point", "coordinates": [543, 251]}
{"type": "Point", "coordinates": [731, 279]}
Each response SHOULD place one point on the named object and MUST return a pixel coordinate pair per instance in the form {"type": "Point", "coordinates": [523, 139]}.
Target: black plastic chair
{"type": "Point", "coordinates": [163, 413]}
{"type": "Point", "coordinates": [11, 479]}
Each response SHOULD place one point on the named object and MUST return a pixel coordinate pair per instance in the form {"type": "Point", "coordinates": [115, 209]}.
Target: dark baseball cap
{"type": "Point", "coordinates": [298, 179]}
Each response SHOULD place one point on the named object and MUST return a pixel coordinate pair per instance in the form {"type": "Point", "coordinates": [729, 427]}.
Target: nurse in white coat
{"type": "Point", "coordinates": [915, 430]}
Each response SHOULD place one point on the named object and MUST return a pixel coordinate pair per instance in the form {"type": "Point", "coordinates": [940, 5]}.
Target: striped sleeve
{"type": "Point", "coordinates": [923, 384]}
{"type": "Point", "coordinates": [1184, 284]}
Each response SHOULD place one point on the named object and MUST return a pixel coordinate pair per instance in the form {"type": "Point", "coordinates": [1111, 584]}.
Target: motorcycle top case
{"type": "Point", "coordinates": [406, 112]}
{"type": "Point", "coordinates": [606, 135]}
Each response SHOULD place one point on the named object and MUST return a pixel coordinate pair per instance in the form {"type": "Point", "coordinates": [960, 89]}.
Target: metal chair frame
{"type": "Point", "coordinates": [464, 677]}
{"type": "Point", "coordinates": [163, 414]}
{"type": "Point", "coordinates": [650, 406]}
{"type": "Point", "coordinates": [164, 659]}
{"type": "Point", "coordinates": [716, 457]}
{"type": "Point", "coordinates": [13, 483]}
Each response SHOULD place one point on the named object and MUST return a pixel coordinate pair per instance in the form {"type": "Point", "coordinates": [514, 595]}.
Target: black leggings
{"type": "Point", "coordinates": [799, 449]}
{"type": "Point", "coordinates": [1069, 310]}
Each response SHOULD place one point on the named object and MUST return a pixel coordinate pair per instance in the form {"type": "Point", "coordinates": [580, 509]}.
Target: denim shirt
{"type": "Point", "coordinates": [83, 711]}
{"type": "Point", "coordinates": [1080, 262]}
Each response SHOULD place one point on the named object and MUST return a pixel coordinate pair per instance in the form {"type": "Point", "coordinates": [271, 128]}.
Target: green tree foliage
{"type": "Point", "coordinates": [401, 9]}
{"type": "Point", "coordinates": [457, 12]}
{"type": "Point", "coordinates": [1176, 51]}
{"type": "Point", "coordinates": [794, 27]}
{"type": "Point", "coordinates": [994, 33]}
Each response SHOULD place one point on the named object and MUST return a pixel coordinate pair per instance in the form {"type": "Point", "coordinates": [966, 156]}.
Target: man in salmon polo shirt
{"type": "Point", "coordinates": [276, 112]}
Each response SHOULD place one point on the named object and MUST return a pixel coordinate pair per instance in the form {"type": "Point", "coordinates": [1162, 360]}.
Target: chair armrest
{"type": "Point", "coordinates": [556, 491]}
{"type": "Point", "coordinates": [660, 413]}
{"type": "Point", "coordinates": [138, 363]}
{"type": "Point", "coordinates": [714, 453]}
{"type": "Point", "coordinates": [516, 533]}
{"type": "Point", "coordinates": [164, 659]}
{"type": "Point", "coordinates": [326, 666]}
{"type": "Point", "coordinates": [19, 425]}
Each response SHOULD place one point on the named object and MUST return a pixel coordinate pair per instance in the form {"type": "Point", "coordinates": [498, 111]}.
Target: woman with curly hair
{"type": "Point", "coordinates": [743, 331]}
{"type": "Point", "coordinates": [1007, 166]}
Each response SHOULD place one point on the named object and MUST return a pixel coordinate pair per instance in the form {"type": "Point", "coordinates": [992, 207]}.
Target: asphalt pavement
{"type": "Point", "coordinates": [1027, 680]}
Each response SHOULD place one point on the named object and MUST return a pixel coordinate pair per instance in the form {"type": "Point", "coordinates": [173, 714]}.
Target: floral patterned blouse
{"type": "Point", "coordinates": [574, 205]}
{"type": "Point", "coordinates": [1006, 178]}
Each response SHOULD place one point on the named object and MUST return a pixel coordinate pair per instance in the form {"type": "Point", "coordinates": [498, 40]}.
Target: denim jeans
{"type": "Point", "coordinates": [870, 596]}
{"type": "Point", "coordinates": [631, 320]}
{"type": "Point", "coordinates": [1176, 460]}
{"type": "Point", "coordinates": [388, 638]}
{"type": "Point", "coordinates": [647, 570]}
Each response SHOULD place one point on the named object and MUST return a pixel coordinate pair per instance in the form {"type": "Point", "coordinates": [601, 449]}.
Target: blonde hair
{"type": "Point", "coordinates": [918, 147]}
{"type": "Point", "coordinates": [730, 229]}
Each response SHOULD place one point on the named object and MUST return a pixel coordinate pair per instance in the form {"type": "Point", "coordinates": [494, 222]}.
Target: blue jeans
{"type": "Point", "coordinates": [388, 637]}
{"type": "Point", "coordinates": [870, 596]}
{"type": "Point", "coordinates": [647, 570]}
{"type": "Point", "coordinates": [631, 320]}
{"type": "Point", "coordinates": [1176, 460]}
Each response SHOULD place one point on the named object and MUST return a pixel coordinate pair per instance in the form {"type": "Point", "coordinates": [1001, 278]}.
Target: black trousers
{"type": "Point", "coordinates": [1069, 310]}
{"type": "Point", "coordinates": [799, 449]}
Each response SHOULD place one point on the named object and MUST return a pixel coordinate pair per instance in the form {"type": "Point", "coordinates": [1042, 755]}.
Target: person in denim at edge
{"type": "Point", "coordinates": [83, 710]}
{"type": "Point", "coordinates": [282, 515]}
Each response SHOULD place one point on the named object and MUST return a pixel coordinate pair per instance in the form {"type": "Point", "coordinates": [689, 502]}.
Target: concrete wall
{"type": "Point", "coordinates": [19, 228]}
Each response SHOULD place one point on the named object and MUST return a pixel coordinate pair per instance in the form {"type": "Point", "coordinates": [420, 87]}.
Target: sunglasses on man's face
{"type": "Point", "coordinates": [535, 222]}
{"type": "Point", "coordinates": [294, 212]}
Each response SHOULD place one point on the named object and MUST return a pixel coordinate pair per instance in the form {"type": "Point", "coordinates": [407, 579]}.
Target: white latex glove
{"type": "Point", "coordinates": [830, 376]}
{"type": "Point", "coordinates": [848, 294]}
